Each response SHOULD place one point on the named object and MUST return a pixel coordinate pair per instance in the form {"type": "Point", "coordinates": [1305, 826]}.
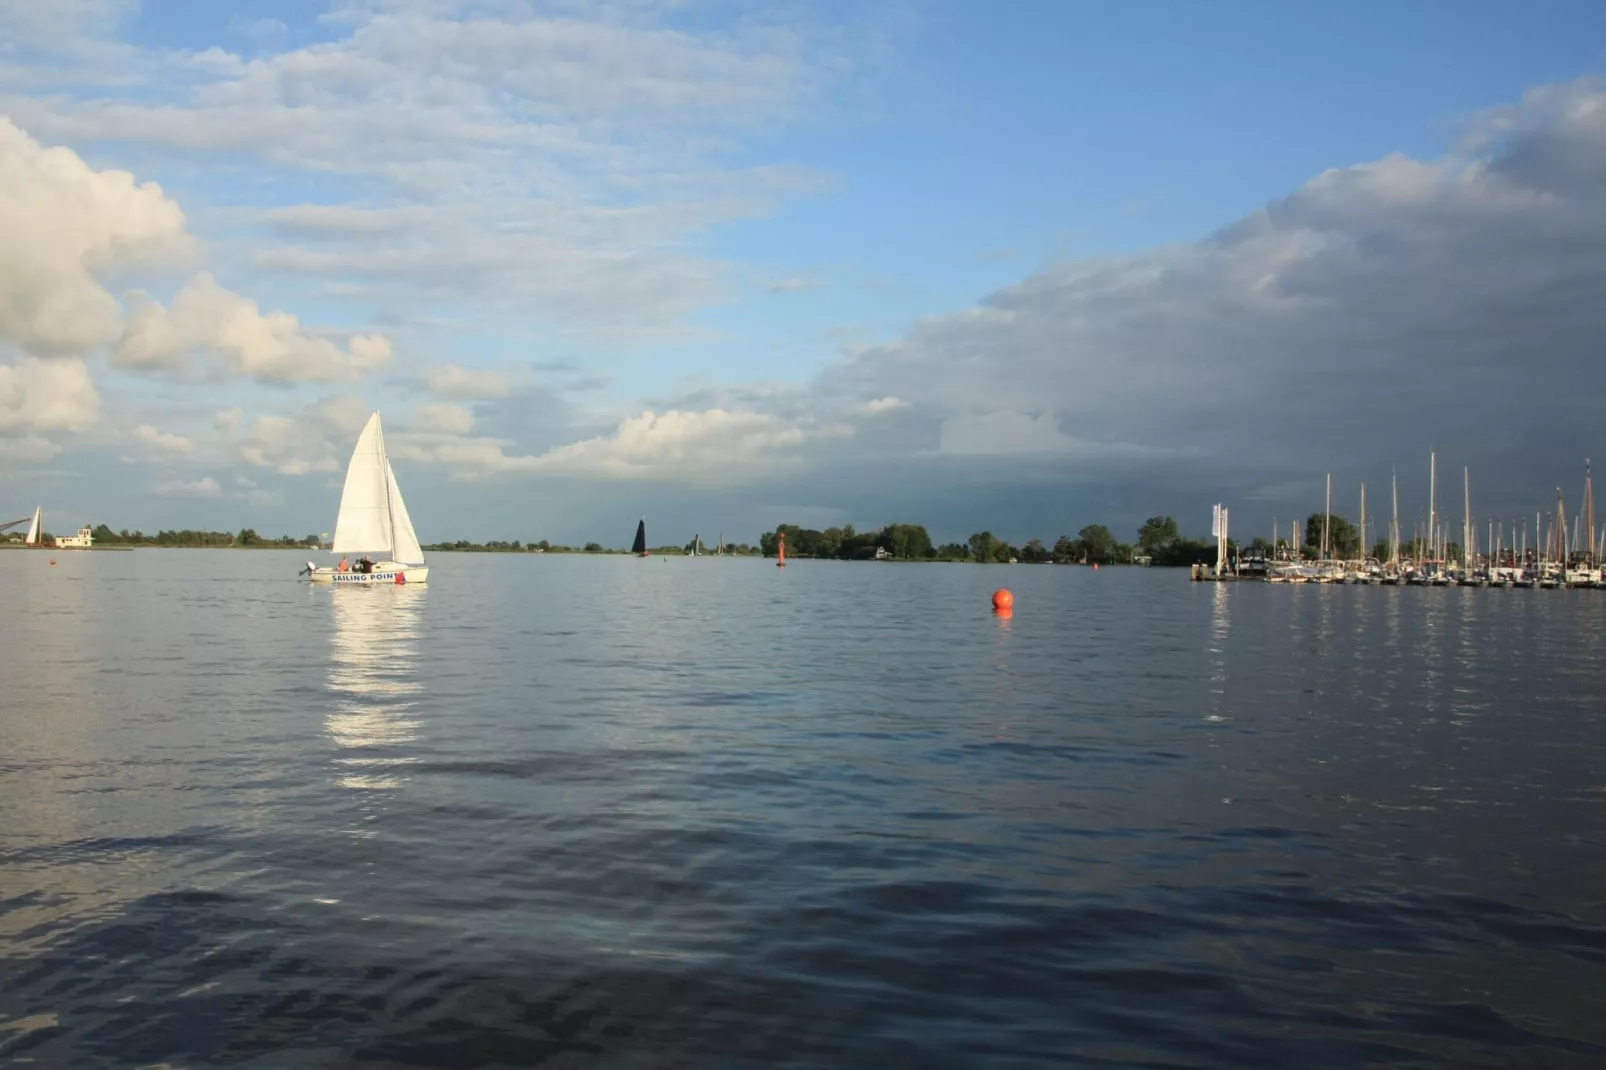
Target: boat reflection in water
{"type": "Point", "coordinates": [372, 675]}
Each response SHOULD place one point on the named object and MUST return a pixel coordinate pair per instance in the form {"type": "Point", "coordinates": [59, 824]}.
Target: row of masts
{"type": "Point", "coordinates": [1581, 546]}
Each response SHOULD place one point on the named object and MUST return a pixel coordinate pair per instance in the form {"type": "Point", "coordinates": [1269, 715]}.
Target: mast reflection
{"type": "Point", "coordinates": [373, 658]}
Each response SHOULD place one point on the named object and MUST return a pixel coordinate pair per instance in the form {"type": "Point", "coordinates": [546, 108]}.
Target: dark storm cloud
{"type": "Point", "coordinates": [1376, 312]}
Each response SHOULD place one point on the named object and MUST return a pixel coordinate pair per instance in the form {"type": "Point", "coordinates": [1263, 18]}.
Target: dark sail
{"type": "Point", "coordinates": [640, 547]}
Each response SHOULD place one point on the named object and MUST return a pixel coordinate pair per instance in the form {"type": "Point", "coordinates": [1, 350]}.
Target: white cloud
{"type": "Point", "coordinates": [65, 226]}
{"type": "Point", "coordinates": [42, 396]}
{"type": "Point", "coordinates": [451, 381]}
{"type": "Point", "coordinates": [205, 487]}
{"type": "Point", "coordinates": [442, 419]}
{"type": "Point", "coordinates": [557, 163]}
{"type": "Point", "coordinates": [315, 439]}
{"type": "Point", "coordinates": [205, 318]}
{"type": "Point", "coordinates": [714, 447]}
{"type": "Point", "coordinates": [228, 419]}
{"type": "Point", "coordinates": [27, 448]}
{"type": "Point", "coordinates": [886, 404]}
{"type": "Point", "coordinates": [163, 441]}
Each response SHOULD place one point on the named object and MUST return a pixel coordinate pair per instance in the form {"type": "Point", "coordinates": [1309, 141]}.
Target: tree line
{"type": "Point", "coordinates": [1159, 542]}
{"type": "Point", "coordinates": [186, 537]}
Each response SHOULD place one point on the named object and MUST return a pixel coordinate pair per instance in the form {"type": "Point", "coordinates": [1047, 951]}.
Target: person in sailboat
{"type": "Point", "coordinates": [365, 564]}
{"type": "Point", "coordinates": [344, 566]}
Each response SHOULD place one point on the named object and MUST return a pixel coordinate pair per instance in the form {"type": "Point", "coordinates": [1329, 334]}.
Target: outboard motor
{"type": "Point", "coordinates": [309, 570]}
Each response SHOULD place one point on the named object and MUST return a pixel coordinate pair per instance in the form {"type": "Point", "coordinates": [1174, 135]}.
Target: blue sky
{"type": "Point", "coordinates": [976, 265]}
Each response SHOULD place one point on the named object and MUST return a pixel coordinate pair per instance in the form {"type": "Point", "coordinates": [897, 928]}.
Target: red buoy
{"type": "Point", "coordinates": [401, 578]}
{"type": "Point", "coordinates": [1003, 599]}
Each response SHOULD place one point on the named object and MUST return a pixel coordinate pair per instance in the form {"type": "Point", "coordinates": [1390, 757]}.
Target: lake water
{"type": "Point", "coordinates": [573, 811]}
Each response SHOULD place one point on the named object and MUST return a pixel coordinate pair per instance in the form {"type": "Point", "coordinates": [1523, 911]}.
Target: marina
{"type": "Point", "coordinates": [1562, 557]}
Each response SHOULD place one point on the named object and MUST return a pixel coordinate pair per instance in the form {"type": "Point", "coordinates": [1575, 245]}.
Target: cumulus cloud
{"type": "Point", "coordinates": [463, 384]}
{"type": "Point", "coordinates": [66, 226]}
{"type": "Point", "coordinates": [162, 441]}
{"type": "Point", "coordinates": [38, 396]}
{"type": "Point", "coordinates": [208, 320]}
{"type": "Point", "coordinates": [713, 447]}
{"type": "Point", "coordinates": [317, 438]}
{"type": "Point", "coordinates": [442, 419]}
{"type": "Point", "coordinates": [205, 487]}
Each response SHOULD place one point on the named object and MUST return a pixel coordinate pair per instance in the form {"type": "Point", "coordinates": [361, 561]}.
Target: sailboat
{"type": "Point", "coordinates": [697, 546]}
{"type": "Point", "coordinates": [35, 527]}
{"type": "Point", "coordinates": [373, 521]}
{"type": "Point", "coordinates": [639, 547]}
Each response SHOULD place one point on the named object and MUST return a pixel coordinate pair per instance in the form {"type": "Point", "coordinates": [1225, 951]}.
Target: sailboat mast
{"type": "Point", "coordinates": [1466, 519]}
{"type": "Point", "coordinates": [1394, 525]}
{"type": "Point", "coordinates": [1327, 520]}
{"type": "Point", "coordinates": [1363, 522]}
{"type": "Point", "coordinates": [1586, 515]}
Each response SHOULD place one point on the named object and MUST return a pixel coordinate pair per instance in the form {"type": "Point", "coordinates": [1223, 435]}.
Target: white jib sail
{"type": "Point", "coordinates": [404, 547]}
{"type": "Point", "coordinates": [32, 538]}
{"type": "Point", "coordinates": [373, 518]}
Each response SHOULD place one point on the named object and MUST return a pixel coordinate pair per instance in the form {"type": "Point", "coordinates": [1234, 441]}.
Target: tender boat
{"type": "Point", "coordinates": [373, 522]}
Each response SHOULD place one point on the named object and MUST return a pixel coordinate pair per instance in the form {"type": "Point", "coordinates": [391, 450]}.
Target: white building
{"type": "Point", "coordinates": [81, 541]}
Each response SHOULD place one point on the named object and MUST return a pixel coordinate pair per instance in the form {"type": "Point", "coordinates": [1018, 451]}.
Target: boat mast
{"type": "Point", "coordinates": [1561, 532]}
{"type": "Point", "coordinates": [1327, 521]}
{"type": "Point", "coordinates": [1466, 520]}
{"type": "Point", "coordinates": [1588, 515]}
{"type": "Point", "coordinates": [1433, 515]}
{"type": "Point", "coordinates": [1363, 523]}
{"type": "Point", "coordinates": [1394, 525]}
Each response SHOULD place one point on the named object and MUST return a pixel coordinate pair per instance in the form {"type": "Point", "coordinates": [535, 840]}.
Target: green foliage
{"type": "Point", "coordinates": [1097, 543]}
{"type": "Point", "coordinates": [1344, 540]}
{"type": "Point", "coordinates": [1157, 533]}
{"type": "Point", "coordinates": [905, 542]}
{"type": "Point", "coordinates": [593, 548]}
{"type": "Point", "coordinates": [983, 546]}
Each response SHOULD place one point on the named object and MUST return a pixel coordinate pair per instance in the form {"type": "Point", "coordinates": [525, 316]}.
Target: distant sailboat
{"type": "Point", "coordinates": [35, 528]}
{"type": "Point", "coordinates": [373, 520]}
{"type": "Point", "coordinates": [781, 560]}
{"type": "Point", "coordinates": [639, 548]}
{"type": "Point", "coordinates": [697, 546]}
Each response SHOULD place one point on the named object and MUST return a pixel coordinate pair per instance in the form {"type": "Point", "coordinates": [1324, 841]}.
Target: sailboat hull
{"type": "Point", "coordinates": [384, 572]}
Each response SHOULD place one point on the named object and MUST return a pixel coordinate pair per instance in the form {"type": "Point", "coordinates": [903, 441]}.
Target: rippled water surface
{"type": "Point", "coordinates": [705, 813]}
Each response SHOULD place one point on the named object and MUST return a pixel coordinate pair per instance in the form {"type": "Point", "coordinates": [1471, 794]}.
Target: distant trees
{"type": "Point", "coordinates": [593, 548]}
{"type": "Point", "coordinates": [906, 542]}
{"type": "Point", "coordinates": [983, 545]}
{"type": "Point", "coordinates": [1158, 533]}
{"type": "Point", "coordinates": [1344, 541]}
{"type": "Point", "coordinates": [1098, 545]}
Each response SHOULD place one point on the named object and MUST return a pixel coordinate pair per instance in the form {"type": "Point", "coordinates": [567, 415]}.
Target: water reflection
{"type": "Point", "coordinates": [373, 659]}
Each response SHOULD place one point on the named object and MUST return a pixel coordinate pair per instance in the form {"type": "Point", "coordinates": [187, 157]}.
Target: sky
{"type": "Point", "coordinates": [1019, 267]}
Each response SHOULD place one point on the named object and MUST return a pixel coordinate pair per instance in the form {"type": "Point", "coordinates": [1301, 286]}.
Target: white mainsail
{"type": "Point", "coordinates": [32, 538]}
{"type": "Point", "coordinates": [373, 518]}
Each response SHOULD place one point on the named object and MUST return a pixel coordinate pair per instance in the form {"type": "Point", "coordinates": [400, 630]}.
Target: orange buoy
{"type": "Point", "coordinates": [1003, 600]}
{"type": "Point", "coordinates": [781, 562]}
{"type": "Point", "coordinates": [1004, 613]}
{"type": "Point", "coordinates": [52, 560]}
{"type": "Point", "coordinates": [1095, 566]}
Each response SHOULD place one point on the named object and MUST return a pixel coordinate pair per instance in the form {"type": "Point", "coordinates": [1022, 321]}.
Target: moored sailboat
{"type": "Point", "coordinates": [373, 521]}
{"type": "Point", "coordinates": [639, 547]}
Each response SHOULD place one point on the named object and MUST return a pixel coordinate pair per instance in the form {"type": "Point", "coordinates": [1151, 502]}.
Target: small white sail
{"type": "Point", "coordinates": [404, 548]}
{"type": "Point", "coordinates": [363, 525]}
{"type": "Point", "coordinates": [32, 538]}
